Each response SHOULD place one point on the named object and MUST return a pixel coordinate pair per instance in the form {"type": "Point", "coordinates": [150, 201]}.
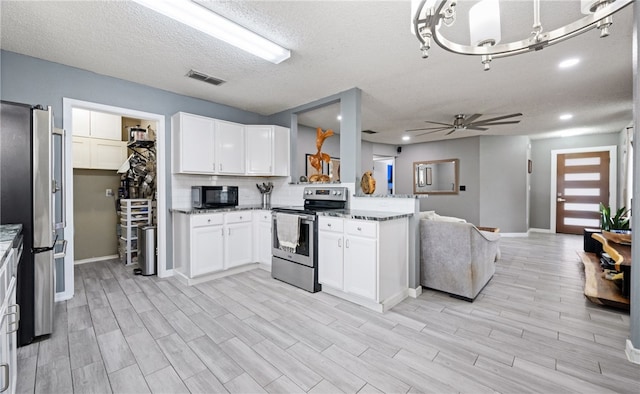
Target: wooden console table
{"type": "Point", "coordinates": [597, 288]}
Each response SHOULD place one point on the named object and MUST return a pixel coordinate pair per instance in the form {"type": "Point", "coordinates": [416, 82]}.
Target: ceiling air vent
{"type": "Point", "coordinates": [204, 77]}
{"type": "Point", "coordinates": [369, 131]}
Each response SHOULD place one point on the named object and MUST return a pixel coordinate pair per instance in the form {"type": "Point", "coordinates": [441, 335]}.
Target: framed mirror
{"type": "Point", "coordinates": [436, 177]}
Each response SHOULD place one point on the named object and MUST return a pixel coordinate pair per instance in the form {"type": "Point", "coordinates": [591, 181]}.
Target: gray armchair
{"type": "Point", "coordinates": [456, 258]}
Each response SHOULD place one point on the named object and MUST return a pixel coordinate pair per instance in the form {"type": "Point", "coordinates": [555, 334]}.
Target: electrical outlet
{"type": "Point", "coordinates": [108, 193]}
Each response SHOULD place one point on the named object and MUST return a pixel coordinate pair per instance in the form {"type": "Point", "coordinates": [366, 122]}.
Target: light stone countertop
{"type": "Point", "coordinates": [196, 211]}
{"type": "Point", "coordinates": [8, 234]}
{"type": "Point", "coordinates": [364, 215]}
{"type": "Point", "coordinates": [416, 196]}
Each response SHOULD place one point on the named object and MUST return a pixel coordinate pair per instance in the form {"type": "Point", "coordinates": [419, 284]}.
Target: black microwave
{"type": "Point", "coordinates": [214, 196]}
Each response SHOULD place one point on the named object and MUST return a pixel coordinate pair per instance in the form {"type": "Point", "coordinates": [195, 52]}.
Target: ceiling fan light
{"type": "Point", "coordinates": [484, 23]}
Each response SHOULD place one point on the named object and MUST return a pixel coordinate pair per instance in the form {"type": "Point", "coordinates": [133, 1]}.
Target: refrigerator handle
{"type": "Point", "coordinates": [59, 186]}
{"type": "Point", "coordinates": [63, 253]}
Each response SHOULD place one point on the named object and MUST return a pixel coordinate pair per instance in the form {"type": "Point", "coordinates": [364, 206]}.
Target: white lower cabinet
{"type": "Point", "coordinates": [262, 236]}
{"type": "Point", "coordinates": [207, 243]}
{"type": "Point", "coordinates": [211, 242]}
{"type": "Point", "coordinates": [364, 261]}
{"type": "Point", "coordinates": [9, 321]}
{"type": "Point", "coordinates": [238, 242]}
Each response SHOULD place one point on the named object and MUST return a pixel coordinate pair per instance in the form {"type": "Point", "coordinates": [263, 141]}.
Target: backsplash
{"type": "Point", "coordinates": [283, 193]}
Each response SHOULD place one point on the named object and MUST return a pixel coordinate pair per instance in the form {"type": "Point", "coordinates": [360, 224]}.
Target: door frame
{"type": "Point", "coordinates": [613, 176]}
{"type": "Point", "coordinates": [393, 168]}
{"type": "Point", "coordinates": [67, 105]}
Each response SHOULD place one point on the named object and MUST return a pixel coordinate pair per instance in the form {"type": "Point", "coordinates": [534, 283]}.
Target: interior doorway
{"type": "Point", "coordinates": [384, 174]}
{"type": "Point", "coordinates": [67, 290]}
{"type": "Point", "coordinates": [581, 180]}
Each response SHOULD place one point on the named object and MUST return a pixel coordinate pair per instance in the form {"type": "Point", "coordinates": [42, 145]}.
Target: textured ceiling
{"type": "Point", "coordinates": [338, 45]}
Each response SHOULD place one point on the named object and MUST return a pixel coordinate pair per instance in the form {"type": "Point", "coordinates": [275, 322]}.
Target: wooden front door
{"type": "Point", "coordinates": [582, 184]}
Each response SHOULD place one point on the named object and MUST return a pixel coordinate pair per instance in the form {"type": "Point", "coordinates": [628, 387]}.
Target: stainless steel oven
{"type": "Point", "coordinates": [297, 263]}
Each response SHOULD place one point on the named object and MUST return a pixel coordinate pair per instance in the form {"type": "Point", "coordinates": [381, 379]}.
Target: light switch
{"type": "Point", "coordinates": [108, 193]}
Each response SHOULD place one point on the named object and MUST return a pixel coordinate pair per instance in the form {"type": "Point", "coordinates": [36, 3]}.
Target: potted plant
{"type": "Point", "coordinates": [618, 223]}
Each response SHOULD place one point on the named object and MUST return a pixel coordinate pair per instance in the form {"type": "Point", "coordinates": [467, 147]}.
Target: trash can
{"type": "Point", "coordinates": [146, 250]}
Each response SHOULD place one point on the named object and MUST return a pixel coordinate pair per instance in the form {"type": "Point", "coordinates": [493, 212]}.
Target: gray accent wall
{"type": "Point", "coordinates": [541, 175]}
{"type": "Point", "coordinates": [503, 182]}
{"type": "Point", "coordinates": [464, 205]}
{"type": "Point", "coordinates": [35, 81]}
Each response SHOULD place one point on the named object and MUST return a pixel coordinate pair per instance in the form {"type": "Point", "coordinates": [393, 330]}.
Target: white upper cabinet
{"type": "Point", "coordinates": [81, 122]}
{"type": "Point", "coordinates": [267, 150]}
{"type": "Point", "coordinates": [229, 143]}
{"type": "Point", "coordinates": [193, 141]}
{"type": "Point", "coordinates": [207, 146]}
{"type": "Point", "coordinates": [95, 124]}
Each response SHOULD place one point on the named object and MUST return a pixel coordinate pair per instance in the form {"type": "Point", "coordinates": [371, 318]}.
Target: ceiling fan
{"type": "Point", "coordinates": [462, 122]}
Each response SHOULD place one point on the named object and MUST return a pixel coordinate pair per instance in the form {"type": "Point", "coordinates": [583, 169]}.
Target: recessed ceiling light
{"type": "Point", "coordinates": [569, 62]}
{"type": "Point", "coordinates": [339, 117]}
{"type": "Point", "coordinates": [566, 116]}
{"type": "Point", "coordinates": [406, 138]}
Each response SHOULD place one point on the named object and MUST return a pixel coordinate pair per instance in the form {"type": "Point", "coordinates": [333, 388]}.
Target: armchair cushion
{"type": "Point", "coordinates": [457, 258]}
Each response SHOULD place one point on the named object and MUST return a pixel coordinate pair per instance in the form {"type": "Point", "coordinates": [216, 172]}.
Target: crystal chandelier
{"type": "Point", "coordinates": [429, 16]}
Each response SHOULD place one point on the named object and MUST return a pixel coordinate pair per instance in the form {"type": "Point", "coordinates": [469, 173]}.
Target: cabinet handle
{"type": "Point", "coordinates": [347, 243]}
{"type": "Point", "coordinates": [359, 228]}
{"type": "Point", "coordinates": [222, 232]}
{"type": "Point", "coordinates": [339, 242]}
{"type": "Point", "coordinates": [6, 377]}
{"type": "Point", "coordinates": [240, 217]}
{"type": "Point", "coordinates": [328, 224]}
{"type": "Point", "coordinates": [208, 220]}
{"type": "Point", "coordinates": [16, 313]}
{"type": "Point", "coordinates": [220, 166]}
{"type": "Point", "coordinates": [229, 232]}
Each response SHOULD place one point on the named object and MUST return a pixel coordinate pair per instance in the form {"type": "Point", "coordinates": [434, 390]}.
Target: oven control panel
{"type": "Point", "coordinates": [336, 193]}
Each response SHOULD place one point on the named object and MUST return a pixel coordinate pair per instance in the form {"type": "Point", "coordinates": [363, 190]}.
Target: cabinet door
{"type": "Point", "coordinates": [107, 154]}
{"type": "Point", "coordinates": [106, 126]}
{"type": "Point", "coordinates": [195, 147]}
{"type": "Point", "coordinates": [206, 249]}
{"type": "Point", "coordinates": [360, 266]}
{"type": "Point", "coordinates": [12, 340]}
{"type": "Point", "coordinates": [263, 243]}
{"type": "Point", "coordinates": [6, 369]}
{"type": "Point", "coordinates": [330, 250]}
{"type": "Point", "coordinates": [259, 149]}
{"type": "Point", "coordinates": [281, 151]}
{"type": "Point", "coordinates": [229, 142]}
{"type": "Point", "coordinates": [81, 151]}
{"type": "Point", "coordinates": [238, 244]}
{"type": "Point", "coordinates": [81, 122]}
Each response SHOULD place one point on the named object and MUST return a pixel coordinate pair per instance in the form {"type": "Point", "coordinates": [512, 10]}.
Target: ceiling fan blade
{"type": "Point", "coordinates": [430, 128]}
{"type": "Point", "coordinates": [471, 118]}
{"type": "Point", "coordinates": [493, 123]}
{"type": "Point", "coordinates": [430, 132]}
{"type": "Point", "coordinates": [477, 128]}
{"type": "Point", "coordinates": [498, 118]}
{"type": "Point", "coordinates": [452, 130]}
{"type": "Point", "coordinates": [443, 124]}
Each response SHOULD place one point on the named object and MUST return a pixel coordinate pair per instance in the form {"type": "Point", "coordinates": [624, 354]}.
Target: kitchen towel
{"type": "Point", "coordinates": [288, 230]}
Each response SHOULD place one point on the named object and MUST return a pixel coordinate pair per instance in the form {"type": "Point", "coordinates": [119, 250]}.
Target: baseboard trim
{"type": "Point", "coordinates": [540, 230]}
{"type": "Point", "coordinates": [414, 293]}
{"type": "Point", "coordinates": [514, 235]}
{"type": "Point", "coordinates": [632, 353]}
{"type": "Point", "coordinates": [207, 277]}
{"type": "Point", "coordinates": [94, 259]}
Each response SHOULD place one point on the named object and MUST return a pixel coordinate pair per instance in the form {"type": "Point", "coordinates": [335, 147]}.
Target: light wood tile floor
{"type": "Point", "coordinates": [529, 330]}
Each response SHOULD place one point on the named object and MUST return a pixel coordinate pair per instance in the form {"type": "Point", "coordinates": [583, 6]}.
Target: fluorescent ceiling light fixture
{"type": "Point", "coordinates": [203, 19]}
{"type": "Point", "coordinates": [569, 63]}
{"type": "Point", "coordinates": [566, 116]}
{"type": "Point", "coordinates": [406, 138]}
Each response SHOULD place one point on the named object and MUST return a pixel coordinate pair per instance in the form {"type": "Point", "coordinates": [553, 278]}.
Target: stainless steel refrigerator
{"type": "Point", "coordinates": [31, 193]}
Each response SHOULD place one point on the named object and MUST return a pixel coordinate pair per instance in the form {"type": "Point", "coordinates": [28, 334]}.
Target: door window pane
{"type": "Point", "coordinates": [585, 161]}
{"type": "Point", "coordinates": [581, 222]}
{"type": "Point", "coordinates": [581, 192]}
{"type": "Point", "coordinates": [581, 207]}
{"type": "Point", "coordinates": [585, 176]}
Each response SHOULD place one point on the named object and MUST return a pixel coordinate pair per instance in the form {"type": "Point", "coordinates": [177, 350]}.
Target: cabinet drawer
{"type": "Point", "coordinates": [263, 216]}
{"type": "Point", "coordinates": [206, 220]}
{"type": "Point", "coordinates": [361, 228]}
{"type": "Point", "coordinates": [330, 224]}
{"type": "Point", "coordinates": [237, 217]}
